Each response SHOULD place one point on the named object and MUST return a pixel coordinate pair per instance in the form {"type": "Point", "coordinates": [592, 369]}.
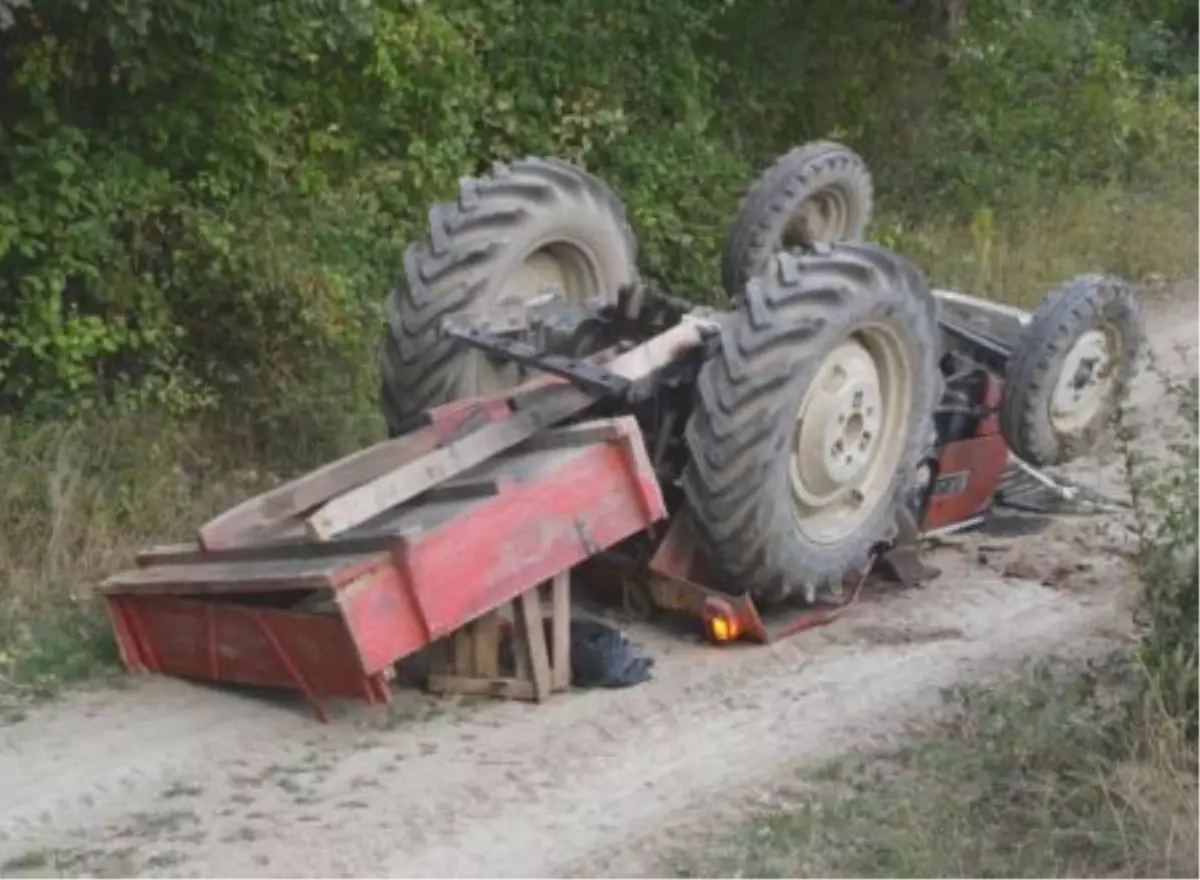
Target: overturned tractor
{"type": "Point", "coordinates": [548, 408]}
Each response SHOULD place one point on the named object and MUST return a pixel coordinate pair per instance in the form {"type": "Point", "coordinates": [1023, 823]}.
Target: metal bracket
{"type": "Point", "coordinates": [582, 373]}
{"type": "Point", "coordinates": [902, 561]}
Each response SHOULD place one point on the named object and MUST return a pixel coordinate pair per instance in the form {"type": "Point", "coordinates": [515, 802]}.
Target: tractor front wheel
{"type": "Point", "coordinates": [812, 418]}
{"type": "Point", "coordinates": [1070, 369]}
{"type": "Point", "coordinates": [820, 192]}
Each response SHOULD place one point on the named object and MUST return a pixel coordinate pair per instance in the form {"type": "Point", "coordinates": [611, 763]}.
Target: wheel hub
{"type": "Point", "coordinates": [562, 270]}
{"type": "Point", "coordinates": [846, 434]}
{"type": "Point", "coordinates": [825, 216]}
{"type": "Point", "coordinates": [1083, 384]}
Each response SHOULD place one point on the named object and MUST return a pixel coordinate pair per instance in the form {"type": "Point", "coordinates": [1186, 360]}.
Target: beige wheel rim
{"type": "Point", "coordinates": [822, 217]}
{"type": "Point", "coordinates": [1083, 385]}
{"type": "Point", "coordinates": [850, 434]}
{"type": "Point", "coordinates": [564, 268]}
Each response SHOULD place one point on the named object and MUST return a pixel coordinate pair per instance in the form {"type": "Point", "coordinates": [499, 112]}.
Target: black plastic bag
{"type": "Point", "coordinates": [602, 656]}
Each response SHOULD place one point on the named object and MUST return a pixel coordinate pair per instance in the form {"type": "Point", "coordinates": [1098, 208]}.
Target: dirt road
{"type": "Point", "coordinates": [168, 778]}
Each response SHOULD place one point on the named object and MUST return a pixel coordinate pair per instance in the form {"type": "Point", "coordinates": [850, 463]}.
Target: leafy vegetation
{"type": "Point", "coordinates": [201, 202]}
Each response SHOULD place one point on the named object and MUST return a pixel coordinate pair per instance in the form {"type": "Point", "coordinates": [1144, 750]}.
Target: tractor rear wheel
{"type": "Point", "coordinates": [812, 418]}
{"type": "Point", "coordinates": [525, 228]}
{"type": "Point", "coordinates": [817, 192]}
{"type": "Point", "coordinates": [1069, 370]}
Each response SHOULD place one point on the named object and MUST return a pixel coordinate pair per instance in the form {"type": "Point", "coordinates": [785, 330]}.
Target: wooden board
{"type": "Point", "coordinates": [411, 479]}
{"type": "Point", "coordinates": [263, 515]}
{"type": "Point", "coordinates": [246, 577]}
{"type": "Point", "coordinates": [560, 632]}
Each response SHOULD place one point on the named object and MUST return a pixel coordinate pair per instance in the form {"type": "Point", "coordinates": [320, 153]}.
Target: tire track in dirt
{"type": "Point", "coordinates": [180, 780]}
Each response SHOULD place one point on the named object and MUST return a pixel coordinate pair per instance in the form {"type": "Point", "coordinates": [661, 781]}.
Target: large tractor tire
{"type": "Point", "coordinates": [534, 225]}
{"type": "Point", "coordinates": [1069, 370]}
{"type": "Point", "coordinates": [819, 192]}
{"type": "Point", "coordinates": [812, 419]}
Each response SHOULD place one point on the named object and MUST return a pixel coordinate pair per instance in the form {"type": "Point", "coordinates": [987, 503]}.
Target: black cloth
{"type": "Point", "coordinates": [602, 656]}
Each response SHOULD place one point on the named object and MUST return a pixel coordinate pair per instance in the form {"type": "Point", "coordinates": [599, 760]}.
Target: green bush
{"type": "Point", "coordinates": [1168, 508]}
{"type": "Point", "coordinates": [201, 202]}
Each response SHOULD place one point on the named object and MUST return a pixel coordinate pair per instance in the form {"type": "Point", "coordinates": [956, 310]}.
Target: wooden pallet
{"type": "Point", "coordinates": [470, 663]}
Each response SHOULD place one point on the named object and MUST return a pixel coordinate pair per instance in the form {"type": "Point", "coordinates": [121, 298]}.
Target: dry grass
{"type": "Point", "coordinates": [1048, 779]}
{"type": "Point", "coordinates": [1143, 235]}
{"type": "Point", "coordinates": [76, 502]}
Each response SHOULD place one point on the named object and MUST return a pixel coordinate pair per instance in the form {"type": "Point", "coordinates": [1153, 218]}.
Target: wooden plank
{"type": "Point", "coordinates": [464, 650]}
{"type": "Point", "coordinates": [406, 482]}
{"type": "Point", "coordinates": [191, 553]}
{"type": "Point", "coordinates": [411, 479]}
{"type": "Point", "coordinates": [293, 498]}
{"type": "Point", "coordinates": [486, 645]}
{"type": "Point", "coordinates": [266, 512]}
{"type": "Point", "coordinates": [225, 577]}
{"type": "Point", "coordinates": [560, 631]}
{"type": "Point", "coordinates": [583, 434]}
{"type": "Point", "coordinates": [367, 538]}
{"type": "Point", "coordinates": [533, 638]}
{"type": "Point", "coordinates": [512, 688]}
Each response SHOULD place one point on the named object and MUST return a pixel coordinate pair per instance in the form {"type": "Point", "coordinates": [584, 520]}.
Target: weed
{"type": "Point", "coordinates": [77, 502]}
{"type": "Point", "coordinates": [1145, 234]}
{"type": "Point", "coordinates": [25, 862]}
{"type": "Point", "coordinates": [1038, 780]}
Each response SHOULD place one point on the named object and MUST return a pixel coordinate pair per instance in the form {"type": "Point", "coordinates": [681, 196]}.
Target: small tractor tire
{"type": "Point", "coordinates": [817, 192]}
{"type": "Point", "coordinates": [1070, 368]}
{"type": "Point", "coordinates": [522, 227]}
{"type": "Point", "coordinates": [811, 420]}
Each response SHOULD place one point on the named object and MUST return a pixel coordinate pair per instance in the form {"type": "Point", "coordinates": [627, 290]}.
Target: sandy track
{"type": "Point", "coordinates": [167, 778]}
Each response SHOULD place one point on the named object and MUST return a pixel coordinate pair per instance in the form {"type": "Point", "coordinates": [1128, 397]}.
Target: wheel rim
{"type": "Point", "coordinates": [1083, 384]}
{"type": "Point", "coordinates": [850, 434]}
{"type": "Point", "coordinates": [822, 217]}
{"type": "Point", "coordinates": [563, 268]}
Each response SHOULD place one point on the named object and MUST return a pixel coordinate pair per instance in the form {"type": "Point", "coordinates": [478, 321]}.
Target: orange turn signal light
{"type": "Point", "coordinates": [723, 629]}
{"type": "Point", "coordinates": [721, 621]}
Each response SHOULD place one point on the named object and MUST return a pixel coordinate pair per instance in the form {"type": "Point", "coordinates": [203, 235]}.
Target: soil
{"type": "Point", "coordinates": [169, 778]}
